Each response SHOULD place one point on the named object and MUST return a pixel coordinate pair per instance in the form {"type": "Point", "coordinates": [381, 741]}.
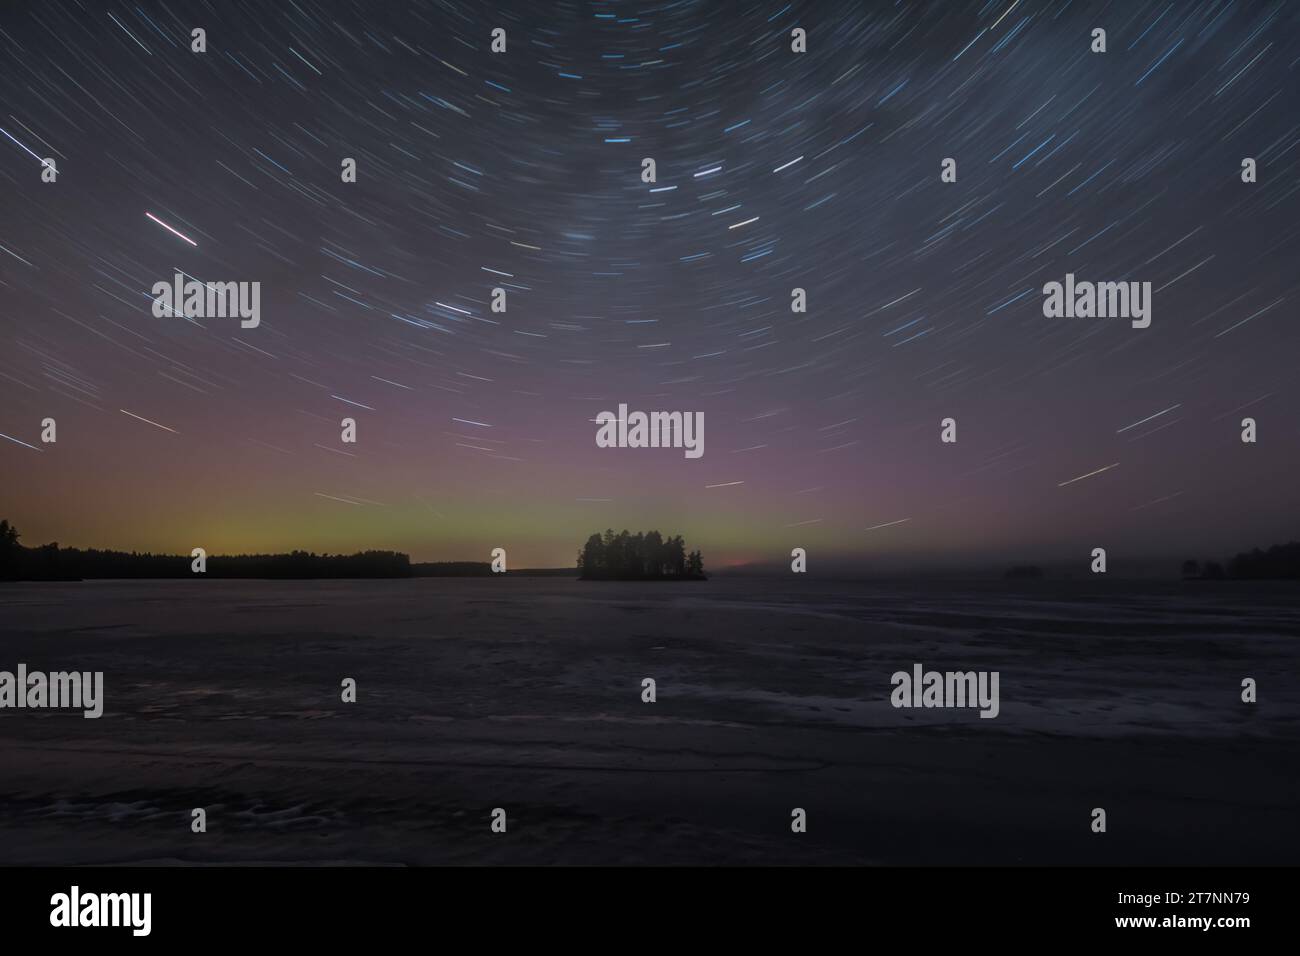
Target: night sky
{"type": "Point", "coordinates": [775, 170]}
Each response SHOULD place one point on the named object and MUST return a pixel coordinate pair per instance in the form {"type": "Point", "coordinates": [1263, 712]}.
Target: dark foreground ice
{"type": "Point", "coordinates": [525, 694]}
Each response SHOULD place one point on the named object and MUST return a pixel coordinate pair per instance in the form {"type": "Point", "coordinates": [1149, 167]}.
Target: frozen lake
{"type": "Point", "coordinates": [525, 693]}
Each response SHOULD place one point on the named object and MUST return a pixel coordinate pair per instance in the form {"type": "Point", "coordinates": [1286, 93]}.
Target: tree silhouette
{"type": "Point", "coordinates": [10, 551]}
{"type": "Point", "coordinates": [1280, 561]}
{"type": "Point", "coordinates": [654, 554]}
{"type": "Point", "coordinates": [641, 556]}
{"type": "Point", "coordinates": [592, 558]}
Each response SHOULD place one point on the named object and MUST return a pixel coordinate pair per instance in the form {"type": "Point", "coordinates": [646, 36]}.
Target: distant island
{"type": "Point", "coordinates": [1280, 562]}
{"type": "Point", "coordinates": [644, 556]}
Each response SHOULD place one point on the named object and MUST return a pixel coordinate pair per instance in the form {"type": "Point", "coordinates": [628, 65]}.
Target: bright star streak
{"type": "Point", "coordinates": [887, 524]}
{"type": "Point", "coordinates": [33, 155]}
{"type": "Point", "coordinates": [1062, 484]}
{"type": "Point", "coordinates": [146, 421]}
{"type": "Point", "coordinates": [17, 442]}
{"type": "Point", "coordinates": [170, 229]}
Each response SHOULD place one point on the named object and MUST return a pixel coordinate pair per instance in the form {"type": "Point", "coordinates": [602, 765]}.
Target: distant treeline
{"type": "Point", "coordinates": [1282, 561]}
{"type": "Point", "coordinates": [642, 556]}
{"type": "Point", "coordinates": [1024, 572]}
{"type": "Point", "coordinates": [451, 569]}
{"type": "Point", "coordinates": [481, 569]}
{"type": "Point", "coordinates": [51, 563]}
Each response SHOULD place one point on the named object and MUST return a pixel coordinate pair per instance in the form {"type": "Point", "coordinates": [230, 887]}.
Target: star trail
{"type": "Point", "coordinates": [776, 171]}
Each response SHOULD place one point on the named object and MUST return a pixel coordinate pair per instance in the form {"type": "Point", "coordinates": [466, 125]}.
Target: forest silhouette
{"type": "Point", "coordinates": [644, 556]}
{"type": "Point", "coordinates": [49, 562]}
{"type": "Point", "coordinates": [621, 556]}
